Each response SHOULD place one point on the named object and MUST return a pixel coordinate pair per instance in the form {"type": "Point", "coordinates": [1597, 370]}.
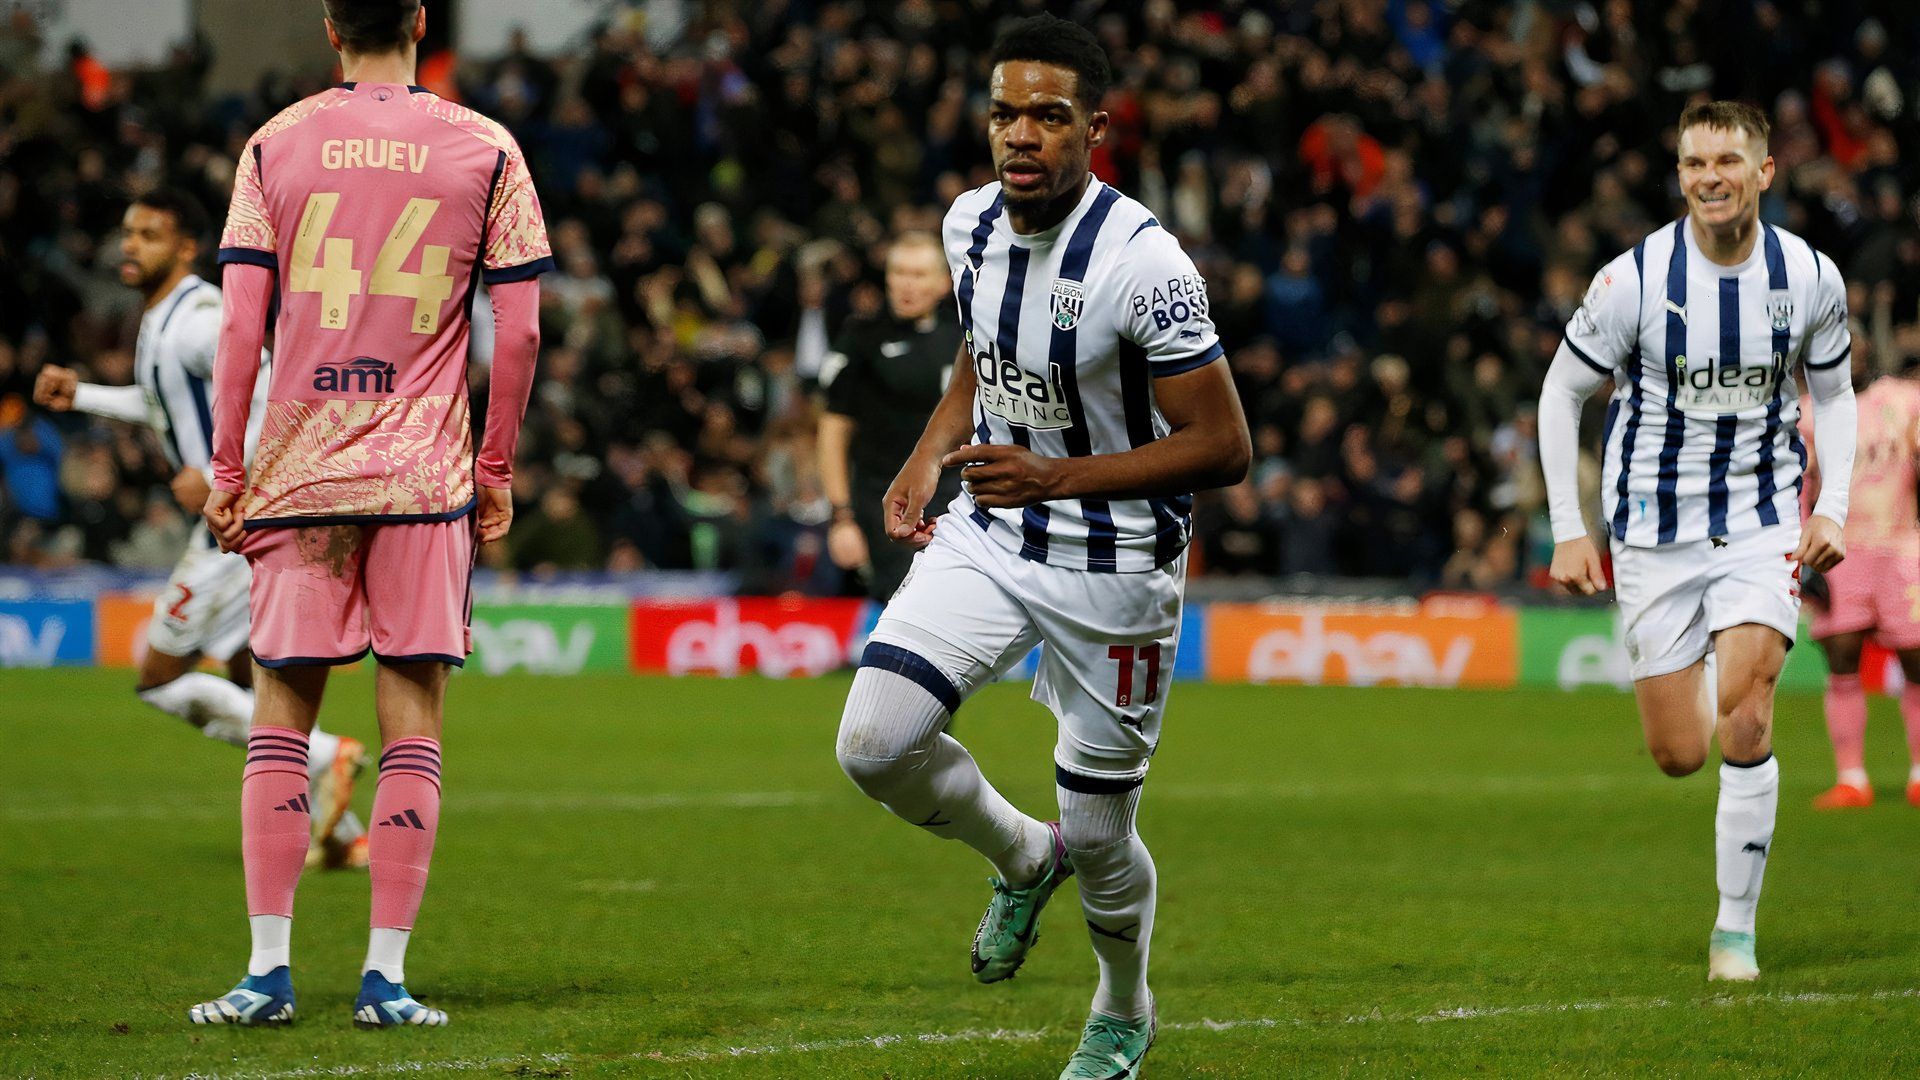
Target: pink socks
{"type": "Point", "coordinates": [406, 815]}
{"type": "Point", "coordinates": [275, 818]}
{"type": "Point", "coordinates": [1847, 726]}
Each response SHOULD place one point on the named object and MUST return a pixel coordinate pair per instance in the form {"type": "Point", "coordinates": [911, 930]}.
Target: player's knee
{"type": "Point", "coordinates": [869, 757]}
{"type": "Point", "coordinates": [1678, 760]}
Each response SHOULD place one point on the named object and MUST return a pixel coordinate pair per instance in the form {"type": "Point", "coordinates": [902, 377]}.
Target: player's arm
{"type": "Point", "coordinates": [60, 389]}
{"type": "Point", "coordinates": [516, 344]}
{"type": "Point", "coordinates": [1598, 336]}
{"type": "Point", "coordinates": [950, 426]}
{"type": "Point", "coordinates": [1207, 446]}
{"type": "Point", "coordinates": [248, 291]}
{"type": "Point", "coordinates": [841, 383]}
{"type": "Point", "coordinates": [1829, 351]}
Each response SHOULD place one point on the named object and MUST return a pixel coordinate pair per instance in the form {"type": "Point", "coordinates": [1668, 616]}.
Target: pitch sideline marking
{"type": "Point", "coordinates": [934, 1038]}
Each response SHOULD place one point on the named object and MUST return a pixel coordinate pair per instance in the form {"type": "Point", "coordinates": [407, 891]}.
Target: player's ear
{"type": "Point", "coordinates": [333, 37]}
{"type": "Point", "coordinates": [419, 23]}
{"type": "Point", "coordinates": [1097, 128]}
{"type": "Point", "coordinates": [1766, 172]}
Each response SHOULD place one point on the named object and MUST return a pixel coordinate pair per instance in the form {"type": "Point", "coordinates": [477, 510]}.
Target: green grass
{"type": "Point", "coordinates": [633, 872]}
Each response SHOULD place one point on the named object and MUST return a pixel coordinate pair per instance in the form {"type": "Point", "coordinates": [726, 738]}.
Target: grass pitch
{"type": "Point", "coordinates": [648, 877]}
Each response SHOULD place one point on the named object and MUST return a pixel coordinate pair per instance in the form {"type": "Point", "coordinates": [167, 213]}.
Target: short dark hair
{"type": "Point", "coordinates": [1047, 39]}
{"type": "Point", "coordinates": [372, 26]}
{"type": "Point", "coordinates": [189, 217]}
{"type": "Point", "coordinates": [1727, 116]}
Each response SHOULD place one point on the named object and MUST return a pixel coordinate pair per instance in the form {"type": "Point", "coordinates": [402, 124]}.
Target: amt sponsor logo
{"type": "Point", "coordinates": [362, 375]}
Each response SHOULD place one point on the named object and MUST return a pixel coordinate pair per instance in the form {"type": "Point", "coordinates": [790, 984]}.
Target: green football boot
{"type": "Point", "coordinates": [1111, 1048]}
{"type": "Point", "coordinates": [1012, 922]}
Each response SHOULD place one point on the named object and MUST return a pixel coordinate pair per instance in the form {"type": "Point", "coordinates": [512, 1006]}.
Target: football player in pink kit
{"type": "Point", "coordinates": [370, 210]}
{"type": "Point", "coordinates": [1877, 590]}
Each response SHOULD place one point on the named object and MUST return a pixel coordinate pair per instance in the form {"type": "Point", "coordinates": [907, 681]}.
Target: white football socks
{"type": "Point", "coordinates": [387, 953]}
{"type": "Point", "coordinates": [891, 746]}
{"type": "Point", "coordinates": [322, 748]}
{"type": "Point", "coordinates": [272, 943]}
{"type": "Point", "coordinates": [221, 709]}
{"type": "Point", "coordinates": [1117, 894]}
{"type": "Point", "coordinates": [1742, 837]}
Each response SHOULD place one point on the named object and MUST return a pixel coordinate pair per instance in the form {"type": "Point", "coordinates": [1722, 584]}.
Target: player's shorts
{"type": "Point", "coordinates": [1875, 589]}
{"type": "Point", "coordinates": [974, 609]}
{"type": "Point", "coordinates": [327, 594]}
{"type": "Point", "coordinates": [1675, 597]}
{"type": "Point", "coordinates": [203, 609]}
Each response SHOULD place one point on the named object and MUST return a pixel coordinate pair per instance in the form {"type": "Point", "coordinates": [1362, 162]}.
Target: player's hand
{"type": "Point", "coordinates": [225, 518]}
{"type": "Point", "coordinates": [190, 489]}
{"type": "Point", "coordinates": [1576, 567]}
{"type": "Point", "coordinates": [1006, 477]}
{"type": "Point", "coordinates": [54, 388]}
{"type": "Point", "coordinates": [905, 503]}
{"type": "Point", "coordinates": [1822, 544]}
{"type": "Point", "coordinates": [847, 545]}
{"type": "Point", "coordinates": [495, 512]}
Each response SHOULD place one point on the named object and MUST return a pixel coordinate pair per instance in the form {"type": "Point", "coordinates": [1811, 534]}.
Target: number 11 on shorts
{"type": "Point", "coordinates": [1125, 654]}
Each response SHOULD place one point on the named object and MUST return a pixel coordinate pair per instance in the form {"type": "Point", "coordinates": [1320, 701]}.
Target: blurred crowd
{"type": "Point", "coordinates": [1397, 205]}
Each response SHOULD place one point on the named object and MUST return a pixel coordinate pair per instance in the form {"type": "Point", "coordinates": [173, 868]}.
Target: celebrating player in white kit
{"type": "Point", "coordinates": [203, 610]}
{"type": "Point", "coordinates": [1699, 327]}
{"type": "Point", "coordinates": [1089, 400]}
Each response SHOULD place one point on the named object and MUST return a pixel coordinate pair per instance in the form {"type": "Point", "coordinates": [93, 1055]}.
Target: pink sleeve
{"type": "Point", "coordinates": [246, 291]}
{"type": "Point", "coordinates": [516, 341]}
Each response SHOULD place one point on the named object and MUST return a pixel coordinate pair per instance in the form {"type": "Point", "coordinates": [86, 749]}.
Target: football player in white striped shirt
{"type": "Point", "coordinates": [203, 609]}
{"type": "Point", "coordinates": [1700, 328]}
{"type": "Point", "coordinates": [1089, 400]}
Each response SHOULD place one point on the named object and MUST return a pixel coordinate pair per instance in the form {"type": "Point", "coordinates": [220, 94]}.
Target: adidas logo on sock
{"type": "Point", "coordinates": [406, 820]}
{"type": "Point", "coordinates": [298, 804]}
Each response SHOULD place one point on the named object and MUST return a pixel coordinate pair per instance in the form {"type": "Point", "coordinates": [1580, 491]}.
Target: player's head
{"type": "Point", "coordinates": [1724, 164]}
{"type": "Point", "coordinates": [367, 27]}
{"type": "Point", "coordinates": [1049, 76]}
{"type": "Point", "coordinates": [916, 276]}
{"type": "Point", "coordinates": [160, 232]}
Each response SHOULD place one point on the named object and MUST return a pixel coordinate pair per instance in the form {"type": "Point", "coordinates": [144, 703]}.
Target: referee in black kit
{"type": "Point", "coordinates": [882, 380]}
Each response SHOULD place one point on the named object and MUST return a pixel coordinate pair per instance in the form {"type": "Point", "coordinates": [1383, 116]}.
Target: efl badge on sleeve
{"type": "Point", "coordinates": [1067, 300]}
{"type": "Point", "coordinates": [1780, 309]}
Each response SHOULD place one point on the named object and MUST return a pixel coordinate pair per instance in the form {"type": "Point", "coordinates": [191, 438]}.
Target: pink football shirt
{"type": "Point", "coordinates": [378, 207]}
{"type": "Point", "coordinates": [1882, 513]}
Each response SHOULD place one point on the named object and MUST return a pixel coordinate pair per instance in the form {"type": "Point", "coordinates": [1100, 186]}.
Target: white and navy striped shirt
{"type": "Point", "coordinates": [1068, 329]}
{"type": "Point", "coordinates": [173, 375]}
{"type": "Point", "coordinates": [1702, 436]}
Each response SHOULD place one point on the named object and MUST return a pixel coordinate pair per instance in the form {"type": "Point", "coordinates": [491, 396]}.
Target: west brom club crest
{"type": "Point", "coordinates": [1067, 300]}
{"type": "Point", "coordinates": [1780, 309]}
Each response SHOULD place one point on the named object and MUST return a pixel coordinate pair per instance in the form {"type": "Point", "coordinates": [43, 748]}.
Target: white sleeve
{"type": "Point", "coordinates": [199, 337]}
{"type": "Point", "coordinates": [127, 403]}
{"type": "Point", "coordinates": [1164, 307]}
{"type": "Point", "coordinates": [1599, 336]}
{"type": "Point", "coordinates": [1836, 431]}
{"type": "Point", "coordinates": [1568, 385]}
{"type": "Point", "coordinates": [1828, 353]}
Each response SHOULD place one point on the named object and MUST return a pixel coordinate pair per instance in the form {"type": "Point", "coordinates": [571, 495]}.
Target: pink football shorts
{"type": "Point", "coordinates": [1875, 589]}
{"type": "Point", "coordinates": [325, 594]}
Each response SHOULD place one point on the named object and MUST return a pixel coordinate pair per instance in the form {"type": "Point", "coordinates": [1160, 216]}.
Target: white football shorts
{"type": "Point", "coordinates": [1675, 597]}
{"type": "Point", "coordinates": [203, 609]}
{"type": "Point", "coordinates": [974, 609]}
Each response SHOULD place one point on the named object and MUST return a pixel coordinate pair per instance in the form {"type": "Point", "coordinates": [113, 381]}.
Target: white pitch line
{"type": "Point", "coordinates": [637, 802]}
{"type": "Point", "coordinates": [695, 1055]}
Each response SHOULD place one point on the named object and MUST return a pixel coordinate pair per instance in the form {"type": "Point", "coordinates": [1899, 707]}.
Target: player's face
{"type": "Point", "coordinates": [1041, 135]}
{"type": "Point", "coordinates": [150, 246]}
{"type": "Point", "coordinates": [916, 281]}
{"type": "Point", "coordinates": [1722, 173]}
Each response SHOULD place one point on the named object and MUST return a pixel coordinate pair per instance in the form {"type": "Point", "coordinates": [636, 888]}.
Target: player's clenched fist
{"type": "Point", "coordinates": [496, 513]}
{"type": "Point", "coordinates": [224, 518]}
{"type": "Point", "coordinates": [1822, 544]}
{"type": "Point", "coordinates": [1006, 477]}
{"type": "Point", "coordinates": [903, 506]}
{"type": "Point", "coordinates": [1576, 567]}
{"type": "Point", "coordinates": [54, 388]}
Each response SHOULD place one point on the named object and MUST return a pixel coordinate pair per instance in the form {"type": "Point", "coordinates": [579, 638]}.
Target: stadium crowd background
{"type": "Point", "coordinates": [1397, 205]}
